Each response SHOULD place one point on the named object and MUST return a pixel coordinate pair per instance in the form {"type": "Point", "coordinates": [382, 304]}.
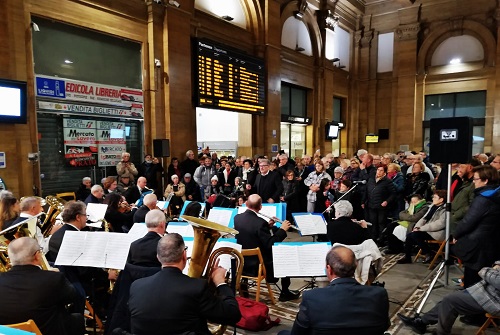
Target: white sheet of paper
{"type": "Point", "coordinates": [224, 260]}
{"type": "Point", "coordinates": [303, 260]}
{"type": "Point", "coordinates": [185, 230]}
{"type": "Point", "coordinates": [94, 249]}
{"type": "Point", "coordinates": [268, 210]}
{"type": "Point", "coordinates": [96, 212]}
{"type": "Point", "coordinates": [221, 216]}
{"type": "Point", "coordinates": [137, 231]}
{"type": "Point", "coordinates": [97, 224]}
{"type": "Point", "coordinates": [162, 204]}
{"type": "Point", "coordinates": [310, 224]}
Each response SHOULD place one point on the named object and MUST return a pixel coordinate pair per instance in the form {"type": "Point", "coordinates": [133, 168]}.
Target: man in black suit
{"type": "Point", "coordinates": [256, 232]}
{"type": "Point", "coordinates": [185, 303]}
{"type": "Point", "coordinates": [344, 306]}
{"type": "Point", "coordinates": [96, 195]}
{"type": "Point", "coordinates": [143, 251]}
{"type": "Point", "coordinates": [268, 184]}
{"type": "Point", "coordinates": [149, 203]}
{"type": "Point", "coordinates": [28, 292]}
{"type": "Point", "coordinates": [135, 193]}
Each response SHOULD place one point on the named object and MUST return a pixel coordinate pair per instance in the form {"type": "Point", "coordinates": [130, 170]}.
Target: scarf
{"type": "Point", "coordinates": [431, 212]}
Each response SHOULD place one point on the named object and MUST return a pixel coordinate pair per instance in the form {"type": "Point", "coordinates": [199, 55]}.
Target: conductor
{"type": "Point", "coordinates": [256, 232]}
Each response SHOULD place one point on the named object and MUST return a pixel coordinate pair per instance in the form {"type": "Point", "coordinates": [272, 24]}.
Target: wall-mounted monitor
{"type": "Point", "coordinates": [371, 138]}
{"type": "Point", "coordinates": [13, 99]}
{"type": "Point", "coordinates": [331, 131]}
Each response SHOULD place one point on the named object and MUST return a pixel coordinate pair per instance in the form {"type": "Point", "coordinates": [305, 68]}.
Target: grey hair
{"type": "Point", "coordinates": [86, 179]}
{"type": "Point", "coordinates": [361, 152]}
{"type": "Point", "coordinates": [265, 160]}
{"type": "Point", "coordinates": [154, 218]}
{"type": "Point", "coordinates": [96, 188]}
{"type": "Point", "coordinates": [283, 156]}
{"type": "Point", "coordinates": [150, 199]}
{"type": "Point", "coordinates": [5, 194]}
{"type": "Point", "coordinates": [189, 152]}
{"type": "Point", "coordinates": [170, 248]}
{"type": "Point", "coordinates": [343, 208]}
{"type": "Point", "coordinates": [125, 154]}
{"type": "Point", "coordinates": [28, 203]}
{"type": "Point", "coordinates": [22, 250]}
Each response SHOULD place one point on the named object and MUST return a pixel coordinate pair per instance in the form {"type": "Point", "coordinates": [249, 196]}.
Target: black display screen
{"type": "Point", "coordinates": [227, 79]}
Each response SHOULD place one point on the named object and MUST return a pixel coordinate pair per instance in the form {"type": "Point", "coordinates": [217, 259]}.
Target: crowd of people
{"type": "Point", "coordinates": [397, 199]}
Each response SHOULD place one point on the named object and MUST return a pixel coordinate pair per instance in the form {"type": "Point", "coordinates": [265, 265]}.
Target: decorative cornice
{"type": "Point", "coordinates": [408, 31]}
{"type": "Point", "coordinates": [367, 38]}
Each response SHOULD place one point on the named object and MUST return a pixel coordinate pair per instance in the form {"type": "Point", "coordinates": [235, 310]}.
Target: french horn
{"type": "Point", "coordinates": [206, 234]}
{"type": "Point", "coordinates": [56, 206]}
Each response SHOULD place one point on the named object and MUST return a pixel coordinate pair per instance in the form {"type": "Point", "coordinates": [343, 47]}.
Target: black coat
{"type": "Point", "coordinates": [417, 184]}
{"type": "Point", "coordinates": [92, 200]}
{"type": "Point", "coordinates": [117, 220]}
{"type": "Point", "coordinates": [151, 172]}
{"type": "Point", "coordinates": [143, 251]}
{"type": "Point", "coordinates": [343, 230]}
{"type": "Point", "coordinates": [188, 166]}
{"type": "Point", "coordinates": [255, 232]}
{"type": "Point", "coordinates": [378, 192]}
{"type": "Point", "coordinates": [140, 214]}
{"type": "Point", "coordinates": [269, 186]}
{"type": "Point", "coordinates": [192, 189]}
{"type": "Point", "coordinates": [179, 304]}
{"type": "Point", "coordinates": [478, 233]}
{"type": "Point", "coordinates": [82, 193]}
{"type": "Point", "coordinates": [31, 293]}
{"type": "Point", "coordinates": [291, 195]}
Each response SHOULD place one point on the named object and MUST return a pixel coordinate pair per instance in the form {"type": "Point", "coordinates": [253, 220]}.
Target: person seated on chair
{"type": "Point", "coordinates": [143, 251]}
{"type": "Point", "coordinates": [120, 222]}
{"type": "Point", "coordinates": [185, 303]}
{"type": "Point", "coordinates": [148, 204]}
{"type": "Point", "coordinates": [430, 227]}
{"type": "Point", "coordinates": [344, 306]}
{"type": "Point", "coordinates": [256, 232]}
{"type": "Point", "coordinates": [134, 193]}
{"type": "Point", "coordinates": [28, 292]}
{"type": "Point", "coordinates": [482, 297]}
{"type": "Point", "coordinates": [343, 230]}
{"type": "Point", "coordinates": [176, 191]}
{"type": "Point", "coordinates": [84, 189]}
{"type": "Point", "coordinates": [96, 195]}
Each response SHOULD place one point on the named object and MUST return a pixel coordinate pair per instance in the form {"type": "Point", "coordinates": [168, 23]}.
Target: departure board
{"type": "Point", "coordinates": [227, 79]}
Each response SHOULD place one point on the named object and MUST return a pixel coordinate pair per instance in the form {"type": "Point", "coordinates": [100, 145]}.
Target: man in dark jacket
{"type": "Point", "coordinates": [84, 189]}
{"type": "Point", "coordinates": [148, 204]}
{"type": "Point", "coordinates": [143, 251]}
{"type": "Point", "coordinates": [268, 184]}
{"type": "Point", "coordinates": [192, 189]}
{"type": "Point", "coordinates": [190, 164]}
{"type": "Point", "coordinates": [28, 292]}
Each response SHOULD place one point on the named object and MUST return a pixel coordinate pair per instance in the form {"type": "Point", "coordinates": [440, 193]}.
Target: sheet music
{"type": "Point", "coordinates": [94, 249]}
{"type": "Point", "coordinates": [187, 202]}
{"type": "Point", "coordinates": [96, 212]}
{"type": "Point", "coordinates": [138, 230]}
{"type": "Point", "coordinates": [310, 224]}
{"type": "Point", "coordinates": [225, 260]}
{"type": "Point", "coordinates": [162, 204]}
{"type": "Point", "coordinates": [221, 215]}
{"type": "Point", "coordinates": [268, 210]}
{"type": "Point", "coordinates": [97, 224]}
{"type": "Point", "coordinates": [294, 259]}
{"type": "Point", "coordinates": [183, 229]}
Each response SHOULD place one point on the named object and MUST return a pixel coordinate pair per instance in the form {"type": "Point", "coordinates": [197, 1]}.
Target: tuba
{"type": "Point", "coordinates": [56, 206]}
{"type": "Point", "coordinates": [4, 259]}
{"type": "Point", "coordinates": [206, 234]}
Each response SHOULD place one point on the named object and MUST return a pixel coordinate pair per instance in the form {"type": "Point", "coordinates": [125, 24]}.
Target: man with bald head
{"type": "Point", "coordinates": [256, 232]}
{"type": "Point", "coordinates": [148, 204]}
{"type": "Point", "coordinates": [28, 292]}
{"type": "Point", "coordinates": [136, 192]}
{"type": "Point", "coordinates": [344, 306]}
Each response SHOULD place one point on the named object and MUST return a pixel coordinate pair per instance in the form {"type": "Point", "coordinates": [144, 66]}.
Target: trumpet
{"type": "Point", "coordinates": [275, 219]}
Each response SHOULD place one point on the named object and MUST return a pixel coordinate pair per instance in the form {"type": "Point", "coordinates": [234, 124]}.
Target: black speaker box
{"type": "Point", "coordinates": [451, 140]}
{"type": "Point", "coordinates": [383, 134]}
{"type": "Point", "coordinates": [161, 148]}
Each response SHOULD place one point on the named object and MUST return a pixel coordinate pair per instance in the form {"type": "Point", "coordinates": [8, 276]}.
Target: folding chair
{"type": "Point", "coordinates": [261, 273]}
{"type": "Point", "coordinates": [491, 320]}
{"type": "Point", "coordinates": [93, 316]}
{"type": "Point", "coordinates": [29, 326]}
{"type": "Point", "coordinates": [439, 252]}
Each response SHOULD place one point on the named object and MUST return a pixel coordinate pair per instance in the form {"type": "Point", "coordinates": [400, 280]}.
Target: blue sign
{"type": "Point", "coordinates": [47, 87]}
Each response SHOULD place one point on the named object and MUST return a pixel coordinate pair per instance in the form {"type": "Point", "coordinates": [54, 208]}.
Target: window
{"type": "Point", "coordinates": [293, 101]}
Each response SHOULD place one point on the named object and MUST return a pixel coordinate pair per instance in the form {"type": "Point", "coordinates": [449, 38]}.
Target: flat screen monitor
{"type": "Point", "coordinates": [332, 131]}
{"type": "Point", "coordinates": [371, 138]}
{"type": "Point", "coordinates": [13, 97]}
{"type": "Point", "coordinates": [116, 133]}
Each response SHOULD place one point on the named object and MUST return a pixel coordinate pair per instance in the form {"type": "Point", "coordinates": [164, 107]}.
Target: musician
{"type": "Point", "coordinates": [109, 185]}
{"type": "Point", "coordinates": [143, 251]}
{"type": "Point", "coordinates": [121, 222]}
{"type": "Point", "coordinates": [149, 203]}
{"type": "Point", "coordinates": [32, 206]}
{"type": "Point", "coordinates": [96, 195]}
{"type": "Point", "coordinates": [125, 165]}
{"type": "Point", "coordinates": [135, 192]}
{"type": "Point", "coordinates": [9, 210]}
{"type": "Point", "coordinates": [256, 232]}
{"type": "Point", "coordinates": [357, 309]}
{"type": "Point", "coordinates": [185, 303]}
{"type": "Point", "coordinates": [343, 230]}
{"type": "Point", "coordinates": [28, 292]}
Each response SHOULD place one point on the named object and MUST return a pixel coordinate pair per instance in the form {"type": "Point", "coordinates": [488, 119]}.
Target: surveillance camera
{"type": "Point", "coordinates": [157, 62]}
{"type": "Point", "coordinates": [174, 3]}
{"type": "Point", "coordinates": [35, 26]}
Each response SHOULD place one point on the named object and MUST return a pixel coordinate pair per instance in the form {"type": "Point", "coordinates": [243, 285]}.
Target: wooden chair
{"type": "Point", "coordinates": [29, 326]}
{"type": "Point", "coordinates": [439, 252]}
{"type": "Point", "coordinates": [93, 316]}
{"type": "Point", "coordinates": [490, 320]}
{"type": "Point", "coordinates": [66, 196]}
{"type": "Point", "coordinates": [261, 273]}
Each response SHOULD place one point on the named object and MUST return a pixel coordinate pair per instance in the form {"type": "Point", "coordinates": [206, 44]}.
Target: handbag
{"type": "Point", "coordinates": [255, 315]}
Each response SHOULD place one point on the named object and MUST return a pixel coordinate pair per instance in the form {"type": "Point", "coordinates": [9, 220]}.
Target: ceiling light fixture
{"type": "Point", "coordinates": [455, 61]}
{"type": "Point", "coordinates": [67, 61]}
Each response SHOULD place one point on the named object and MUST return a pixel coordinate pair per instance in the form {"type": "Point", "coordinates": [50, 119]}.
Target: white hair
{"type": "Point", "coordinates": [150, 199]}
{"type": "Point", "coordinates": [22, 250]}
{"type": "Point", "coordinates": [343, 208]}
{"type": "Point", "coordinates": [84, 179]}
{"type": "Point", "coordinates": [96, 188]}
{"type": "Point", "coordinates": [189, 152]}
{"type": "Point", "coordinates": [361, 152]}
{"type": "Point", "coordinates": [154, 217]}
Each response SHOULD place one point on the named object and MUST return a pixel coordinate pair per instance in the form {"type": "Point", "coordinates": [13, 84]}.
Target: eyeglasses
{"type": "Point", "coordinates": [185, 248]}
{"type": "Point", "coordinates": [40, 249]}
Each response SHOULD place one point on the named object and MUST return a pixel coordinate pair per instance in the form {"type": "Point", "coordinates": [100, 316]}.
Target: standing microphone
{"type": "Point", "coordinates": [359, 182]}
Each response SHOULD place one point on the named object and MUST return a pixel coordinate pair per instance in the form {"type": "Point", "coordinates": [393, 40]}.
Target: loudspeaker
{"type": "Point", "coordinates": [451, 140]}
{"type": "Point", "coordinates": [383, 134]}
{"type": "Point", "coordinates": [161, 148]}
